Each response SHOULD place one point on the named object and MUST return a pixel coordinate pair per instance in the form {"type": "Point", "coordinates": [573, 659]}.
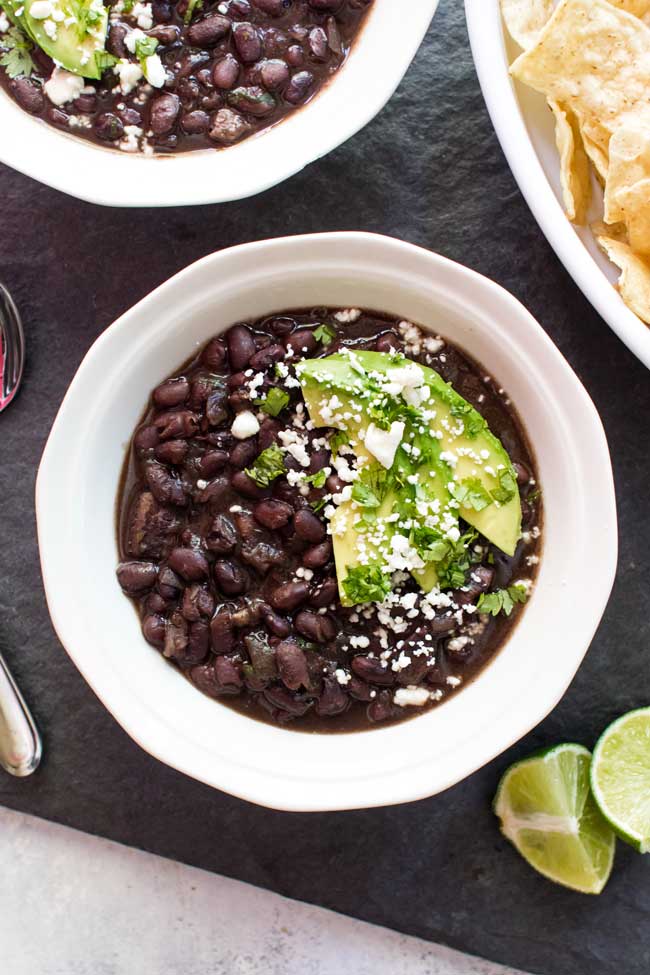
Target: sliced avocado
{"type": "Point", "coordinates": [10, 7]}
{"type": "Point", "coordinates": [472, 449]}
{"type": "Point", "coordinates": [77, 40]}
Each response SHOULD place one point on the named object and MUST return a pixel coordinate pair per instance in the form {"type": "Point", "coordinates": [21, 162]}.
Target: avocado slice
{"type": "Point", "coordinates": [466, 458]}
{"type": "Point", "coordinates": [74, 35]}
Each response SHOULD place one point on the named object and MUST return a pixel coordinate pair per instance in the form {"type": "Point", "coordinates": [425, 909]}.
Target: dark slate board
{"type": "Point", "coordinates": [429, 170]}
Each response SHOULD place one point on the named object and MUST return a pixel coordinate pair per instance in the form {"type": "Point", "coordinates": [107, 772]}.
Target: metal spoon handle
{"type": "Point", "coordinates": [12, 348]}
{"type": "Point", "coordinates": [20, 742]}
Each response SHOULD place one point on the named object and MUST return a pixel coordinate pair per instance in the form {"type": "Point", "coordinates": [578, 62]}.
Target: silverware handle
{"type": "Point", "coordinates": [20, 742]}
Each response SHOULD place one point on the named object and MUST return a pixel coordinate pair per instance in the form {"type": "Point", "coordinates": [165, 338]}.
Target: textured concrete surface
{"type": "Point", "coordinates": [72, 904]}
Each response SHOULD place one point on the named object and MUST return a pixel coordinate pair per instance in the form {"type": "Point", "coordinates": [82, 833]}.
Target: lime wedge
{"type": "Point", "coordinates": [547, 812]}
{"type": "Point", "coordinates": [620, 777]}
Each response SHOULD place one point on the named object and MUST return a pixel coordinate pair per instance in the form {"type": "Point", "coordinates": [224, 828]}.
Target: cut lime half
{"type": "Point", "coordinates": [620, 777]}
{"type": "Point", "coordinates": [548, 813]}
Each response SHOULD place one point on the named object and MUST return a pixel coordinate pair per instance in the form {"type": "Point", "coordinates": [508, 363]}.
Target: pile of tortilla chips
{"type": "Point", "coordinates": [591, 59]}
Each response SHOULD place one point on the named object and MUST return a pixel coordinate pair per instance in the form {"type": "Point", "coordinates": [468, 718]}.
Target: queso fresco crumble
{"type": "Point", "coordinates": [329, 519]}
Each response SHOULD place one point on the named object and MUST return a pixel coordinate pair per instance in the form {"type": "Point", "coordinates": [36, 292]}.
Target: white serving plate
{"type": "Point", "coordinates": [77, 486]}
{"type": "Point", "coordinates": [524, 126]}
{"type": "Point", "coordinates": [379, 60]}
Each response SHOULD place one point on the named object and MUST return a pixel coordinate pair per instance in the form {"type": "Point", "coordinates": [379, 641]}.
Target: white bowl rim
{"type": "Point", "coordinates": [417, 780]}
{"type": "Point", "coordinates": [487, 42]}
{"type": "Point", "coordinates": [114, 178]}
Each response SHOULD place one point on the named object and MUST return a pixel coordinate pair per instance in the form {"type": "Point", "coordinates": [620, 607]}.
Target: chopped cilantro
{"type": "Point", "coordinates": [366, 584]}
{"type": "Point", "coordinates": [430, 544]}
{"type": "Point", "coordinates": [471, 494]}
{"type": "Point", "coordinates": [325, 334]}
{"type": "Point", "coordinates": [534, 496]}
{"type": "Point", "coordinates": [473, 422]}
{"type": "Point", "coordinates": [319, 505]}
{"type": "Point", "coordinates": [453, 569]}
{"type": "Point", "coordinates": [274, 402]}
{"type": "Point", "coordinates": [104, 60]}
{"type": "Point", "coordinates": [339, 439]}
{"type": "Point", "coordinates": [145, 47]}
{"type": "Point", "coordinates": [370, 487]}
{"type": "Point", "coordinates": [268, 466]}
{"type": "Point", "coordinates": [16, 58]}
{"type": "Point", "coordinates": [502, 600]}
{"type": "Point", "coordinates": [507, 487]}
{"type": "Point", "coordinates": [318, 479]}
{"type": "Point", "coordinates": [127, 6]}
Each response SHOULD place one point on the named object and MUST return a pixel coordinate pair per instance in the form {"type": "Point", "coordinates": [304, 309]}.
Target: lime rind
{"type": "Point", "coordinates": [548, 814]}
{"type": "Point", "coordinates": [620, 777]}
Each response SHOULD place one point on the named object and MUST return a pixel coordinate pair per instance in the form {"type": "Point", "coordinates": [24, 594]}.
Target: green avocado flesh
{"type": "Point", "coordinates": [448, 465]}
{"type": "Point", "coordinates": [77, 32]}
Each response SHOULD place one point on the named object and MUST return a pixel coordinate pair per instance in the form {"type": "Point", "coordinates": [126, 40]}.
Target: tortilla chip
{"type": "Point", "coordinates": [634, 282]}
{"type": "Point", "coordinates": [596, 153]}
{"type": "Point", "coordinates": [629, 160]}
{"type": "Point", "coordinates": [638, 8]}
{"type": "Point", "coordinates": [574, 165]}
{"type": "Point", "coordinates": [635, 201]}
{"type": "Point", "coordinates": [592, 58]}
{"type": "Point", "coordinates": [525, 19]}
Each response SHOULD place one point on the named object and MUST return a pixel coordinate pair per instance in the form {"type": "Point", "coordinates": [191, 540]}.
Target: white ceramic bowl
{"type": "Point", "coordinates": [378, 62]}
{"type": "Point", "coordinates": [524, 126]}
{"type": "Point", "coordinates": [77, 484]}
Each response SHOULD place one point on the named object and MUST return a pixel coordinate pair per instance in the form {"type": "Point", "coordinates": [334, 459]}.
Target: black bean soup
{"type": "Point", "coordinates": [235, 583]}
{"type": "Point", "coordinates": [227, 70]}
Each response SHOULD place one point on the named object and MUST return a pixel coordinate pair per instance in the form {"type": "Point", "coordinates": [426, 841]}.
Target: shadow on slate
{"type": "Point", "coordinates": [429, 170]}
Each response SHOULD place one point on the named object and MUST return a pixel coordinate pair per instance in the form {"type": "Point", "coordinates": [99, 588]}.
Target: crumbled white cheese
{"type": "Point", "coordinates": [41, 9]}
{"type": "Point", "coordinates": [143, 14]}
{"type": "Point", "coordinates": [131, 140]}
{"type": "Point", "coordinates": [4, 22]}
{"type": "Point", "coordinates": [154, 71]}
{"type": "Point", "coordinates": [63, 86]}
{"type": "Point", "coordinates": [245, 425]}
{"type": "Point", "coordinates": [383, 444]}
{"type": "Point", "coordinates": [132, 38]}
{"type": "Point", "coordinates": [129, 74]}
{"type": "Point", "coordinates": [411, 696]}
{"type": "Point", "coordinates": [348, 315]}
{"type": "Point", "coordinates": [342, 676]}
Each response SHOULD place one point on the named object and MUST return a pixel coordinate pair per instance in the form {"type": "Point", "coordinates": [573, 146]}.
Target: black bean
{"type": "Point", "coordinates": [189, 564]}
{"type": "Point", "coordinates": [212, 492]}
{"type": "Point", "coordinates": [193, 123]}
{"type": "Point", "coordinates": [309, 526]}
{"type": "Point", "coordinates": [359, 690]}
{"type": "Point", "coordinates": [176, 424]}
{"type": "Point", "coordinates": [301, 342]}
{"type": "Point", "coordinates": [222, 637]}
{"type": "Point", "coordinates": [262, 556]}
{"type": "Point", "coordinates": [163, 485]}
{"type": "Point", "coordinates": [87, 104]}
{"type": "Point", "coordinates": [279, 697]}
{"type": "Point", "coordinates": [333, 699]}
{"type": "Point", "coordinates": [324, 593]}
{"type": "Point", "coordinates": [522, 472]}
{"type": "Point", "coordinates": [276, 624]}
{"type": "Point", "coordinates": [228, 126]}
{"type": "Point", "coordinates": [151, 527]}
{"type": "Point", "coordinates": [169, 584]}
{"type": "Point", "coordinates": [28, 94]}
{"type": "Point", "coordinates": [480, 579]}
{"type": "Point", "coordinates": [318, 460]}
{"type": "Point", "coordinates": [239, 8]}
{"type": "Point", "coordinates": [153, 629]}
{"type": "Point", "coordinates": [164, 112]}
{"type": "Point", "coordinates": [154, 603]}
{"type": "Point", "coordinates": [176, 636]}
{"type": "Point", "coordinates": [281, 325]}
{"type": "Point", "coordinates": [247, 41]}
{"type": "Point", "coordinates": [318, 46]}
{"type": "Point", "coordinates": [268, 434]}
{"type": "Point", "coordinates": [274, 8]}
{"type": "Point", "coordinates": [317, 556]}
{"type": "Point", "coordinates": [211, 462]}
{"type": "Point", "coordinates": [173, 392]}
{"type": "Point", "coordinates": [382, 708]}
{"type": "Point", "coordinates": [244, 453]}
{"type": "Point", "coordinates": [316, 627]}
{"type": "Point", "coordinates": [334, 484]}
{"type": "Point", "coordinates": [198, 645]}
{"type": "Point", "coordinates": [459, 651]}
{"type": "Point", "coordinates": [241, 346]}
{"type": "Point", "coordinates": [221, 536]}
{"type": "Point", "coordinates": [373, 671]}
{"type": "Point", "coordinates": [414, 673]}
{"type": "Point", "coordinates": [226, 72]}
{"type": "Point", "coordinates": [387, 342]}
{"type": "Point", "coordinates": [325, 5]}
{"type": "Point", "coordinates": [267, 357]}
{"type": "Point", "coordinates": [146, 437]}
{"type": "Point", "coordinates": [165, 35]}
{"type": "Point", "coordinates": [299, 87]}
{"type": "Point", "coordinates": [171, 451]}
{"type": "Point", "coordinates": [333, 36]}
{"type": "Point", "coordinates": [274, 74]}
{"type": "Point", "coordinates": [162, 11]}
{"type": "Point", "coordinates": [292, 665]}
{"type": "Point", "coordinates": [247, 612]}
{"type": "Point", "coordinates": [262, 655]}
{"type": "Point", "coordinates": [214, 354]}
{"type": "Point", "coordinates": [216, 407]}
{"type": "Point", "coordinates": [207, 32]}
{"type": "Point", "coordinates": [228, 674]}
{"type": "Point", "coordinates": [295, 56]}
{"type": "Point", "coordinates": [289, 596]}
{"type": "Point", "coordinates": [197, 603]}
{"type": "Point", "coordinates": [108, 127]}
{"type": "Point", "coordinates": [205, 677]}
{"type": "Point", "coordinates": [230, 578]}
{"type": "Point", "coordinates": [252, 99]}
{"type": "Point", "coordinates": [273, 514]}
{"type": "Point", "coordinates": [115, 41]}
{"type": "Point", "coordinates": [136, 577]}
{"type": "Point", "coordinates": [245, 485]}
{"type": "Point", "coordinates": [246, 525]}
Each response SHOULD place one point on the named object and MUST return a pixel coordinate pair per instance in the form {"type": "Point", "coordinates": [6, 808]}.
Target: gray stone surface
{"type": "Point", "coordinates": [429, 170]}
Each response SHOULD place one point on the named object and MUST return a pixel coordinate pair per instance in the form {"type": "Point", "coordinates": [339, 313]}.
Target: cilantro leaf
{"type": "Point", "coordinates": [471, 493]}
{"type": "Point", "coordinates": [473, 422]}
{"type": "Point", "coordinates": [502, 600]}
{"type": "Point", "coordinates": [534, 496]}
{"type": "Point", "coordinates": [145, 47]}
{"type": "Point", "coordinates": [193, 5]}
{"type": "Point", "coordinates": [453, 569]}
{"type": "Point", "coordinates": [507, 487]}
{"type": "Point", "coordinates": [104, 60]}
{"type": "Point", "coordinates": [370, 487]}
{"type": "Point", "coordinates": [274, 402]}
{"type": "Point", "coordinates": [16, 58]}
{"type": "Point", "coordinates": [318, 479]}
{"type": "Point", "coordinates": [339, 439]}
{"type": "Point", "coordinates": [268, 466]}
{"type": "Point", "coordinates": [325, 334]}
{"type": "Point", "coordinates": [366, 584]}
